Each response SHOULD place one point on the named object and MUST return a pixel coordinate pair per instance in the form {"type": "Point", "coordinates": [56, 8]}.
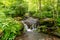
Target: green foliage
{"type": "Point", "coordinates": [2, 15]}
{"type": "Point", "coordinates": [10, 28]}
{"type": "Point", "coordinates": [33, 5]}
{"type": "Point", "coordinates": [13, 7]}
{"type": "Point", "coordinates": [58, 22]}
{"type": "Point", "coordinates": [37, 15]}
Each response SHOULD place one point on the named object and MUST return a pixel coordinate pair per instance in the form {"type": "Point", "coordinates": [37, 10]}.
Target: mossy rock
{"type": "Point", "coordinates": [22, 26]}
{"type": "Point", "coordinates": [1, 34]}
{"type": "Point", "coordinates": [18, 18]}
{"type": "Point", "coordinates": [41, 28]}
{"type": "Point", "coordinates": [47, 22]}
{"type": "Point", "coordinates": [57, 32]}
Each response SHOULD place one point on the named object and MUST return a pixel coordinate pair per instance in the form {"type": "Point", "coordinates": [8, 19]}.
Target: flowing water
{"type": "Point", "coordinates": [32, 35]}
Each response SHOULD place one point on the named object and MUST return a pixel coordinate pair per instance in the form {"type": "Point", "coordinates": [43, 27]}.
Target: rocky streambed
{"type": "Point", "coordinates": [44, 25]}
{"type": "Point", "coordinates": [36, 36]}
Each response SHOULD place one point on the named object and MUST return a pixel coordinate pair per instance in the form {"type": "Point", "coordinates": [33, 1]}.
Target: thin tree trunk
{"type": "Point", "coordinates": [57, 8]}
{"type": "Point", "coordinates": [53, 10]}
{"type": "Point", "coordinates": [40, 8]}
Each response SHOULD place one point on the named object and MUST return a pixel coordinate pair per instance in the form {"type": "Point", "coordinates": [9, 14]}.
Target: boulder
{"type": "Point", "coordinates": [18, 18]}
{"type": "Point", "coordinates": [30, 21]}
{"type": "Point", "coordinates": [47, 21]}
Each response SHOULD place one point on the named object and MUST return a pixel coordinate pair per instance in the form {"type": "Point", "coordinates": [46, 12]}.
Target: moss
{"type": "Point", "coordinates": [47, 22]}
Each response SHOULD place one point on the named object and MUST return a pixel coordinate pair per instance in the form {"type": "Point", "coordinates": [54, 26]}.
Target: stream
{"type": "Point", "coordinates": [31, 34]}
{"type": "Point", "coordinates": [36, 36]}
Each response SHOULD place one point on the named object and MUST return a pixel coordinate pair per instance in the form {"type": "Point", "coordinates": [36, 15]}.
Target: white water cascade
{"type": "Point", "coordinates": [28, 29]}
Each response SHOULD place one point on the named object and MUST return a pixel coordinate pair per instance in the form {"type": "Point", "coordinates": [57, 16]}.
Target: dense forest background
{"type": "Point", "coordinates": [36, 8]}
{"type": "Point", "coordinates": [39, 7]}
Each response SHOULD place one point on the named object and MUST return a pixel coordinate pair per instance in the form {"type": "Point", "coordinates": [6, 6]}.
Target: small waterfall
{"type": "Point", "coordinates": [26, 27]}
{"type": "Point", "coordinates": [33, 27]}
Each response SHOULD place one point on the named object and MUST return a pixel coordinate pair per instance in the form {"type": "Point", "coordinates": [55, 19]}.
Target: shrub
{"type": "Point", "coordinates": [58, 22]}
{"type": "Point", "coordinates": [10, 28]}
